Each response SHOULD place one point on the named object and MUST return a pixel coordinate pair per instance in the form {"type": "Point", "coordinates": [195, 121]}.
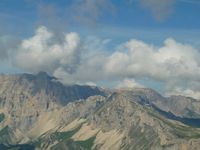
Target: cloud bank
{"type": "Point", "coordinates": [81, 60]}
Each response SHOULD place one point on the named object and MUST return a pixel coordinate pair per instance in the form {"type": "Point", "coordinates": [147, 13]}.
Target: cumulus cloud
{"type": "Point", "coordinates": [175, 64]}
{"type": "Point", "coordinates": [138, 59]}
{"type": "Point", "coordinates": [81, 60]}
{"type": "Point", "coordinates": [73, 60]}
{"type": "Point", "coordinates": [41, 53]}
{"type": "Point", "coordinates": [161, 9]}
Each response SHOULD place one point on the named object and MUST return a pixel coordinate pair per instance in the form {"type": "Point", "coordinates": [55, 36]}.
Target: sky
{"type": "Point", "coordinates": [108, 43]}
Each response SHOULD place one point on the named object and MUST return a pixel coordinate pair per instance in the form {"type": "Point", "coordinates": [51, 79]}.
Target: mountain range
{"type": "Point", "coordinates": [37, 112]}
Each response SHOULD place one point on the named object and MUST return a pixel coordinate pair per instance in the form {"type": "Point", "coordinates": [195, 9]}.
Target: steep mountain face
{"type": "Point", "coordinates": [181, 106]}
{"type": "Point", "coordinates": [46, 85]}
{"type": "Point", "coordinates": [142, 126]}
{"type": "Point", "coordinates": [184, 106]}
{"type": "Point", "coordinates": [38, 112]}
{"type": "Point", "coordinates": [25, 97]}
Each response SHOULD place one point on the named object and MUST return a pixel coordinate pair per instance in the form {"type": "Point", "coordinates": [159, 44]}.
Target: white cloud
{"type": "Point", "coordinates": [185, 92]}
{"type": "Point", "coordinates": [91, 83]}
{"type": "Point", "coordinates": [172, 60]}
{"type": "Point", "coordinates": [77, 60]}
{"type": "Point", "coordinates": [129, 83]}
{"type": "Point", "coordinates": [175, 64]}
{"type": "Point", "coordinates": [41, 53]}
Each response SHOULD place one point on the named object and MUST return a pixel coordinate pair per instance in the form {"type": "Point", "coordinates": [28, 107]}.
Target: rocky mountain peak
{"type": "Point", "coordinates": [44, 75]}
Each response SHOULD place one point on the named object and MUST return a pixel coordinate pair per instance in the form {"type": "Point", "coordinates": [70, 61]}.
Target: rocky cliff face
{"type": "Point", "coordinates": [25, 97]}
{"type": "Point", "coordinates": [38, 112]}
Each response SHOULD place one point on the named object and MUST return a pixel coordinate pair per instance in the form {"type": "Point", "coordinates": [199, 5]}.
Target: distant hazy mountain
{"type": "Point", "coordinates": [38, 112]}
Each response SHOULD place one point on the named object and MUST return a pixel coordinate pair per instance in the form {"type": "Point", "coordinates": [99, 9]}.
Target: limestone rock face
{"type": "Point", "coordinates": [25, 97]}
{"type": "Point", "coordinates": [38, 112]}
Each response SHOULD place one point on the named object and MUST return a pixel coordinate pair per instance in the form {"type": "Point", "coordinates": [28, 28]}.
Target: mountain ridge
{"type": "Point", "coordinates": [34, 115]}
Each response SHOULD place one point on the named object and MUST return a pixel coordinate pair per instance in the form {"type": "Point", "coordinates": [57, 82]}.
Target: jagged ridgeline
{"type": "Point", "coordinates": [37, 112]}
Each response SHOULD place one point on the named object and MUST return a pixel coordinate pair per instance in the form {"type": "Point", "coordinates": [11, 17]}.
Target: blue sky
{"type": "Point", "coordinates": [105, 28]}
{"type": "Point", "coordinates": [22, 16]}
{"type": "Point", "coordinates": [127, 19]}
